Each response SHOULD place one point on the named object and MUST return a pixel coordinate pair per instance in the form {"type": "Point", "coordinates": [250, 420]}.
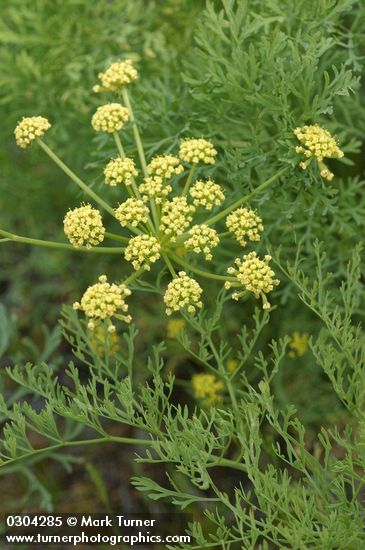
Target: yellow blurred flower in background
{"type": "Point", "coordinates": [298, 344]}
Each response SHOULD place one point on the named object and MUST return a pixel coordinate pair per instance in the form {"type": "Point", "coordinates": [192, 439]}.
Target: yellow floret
{"type": "Point", "coordinates": [117, 76]}
{"type": "Point", "coordinates": [83, 226]}
{"type": "Point", "coordinates": [183, 292]}
{"type": "Point", "coordinates": [154, 187]}
{"type": "Point", "coordinates": [244, 223]}
{"type": "Point", "coordinates": [29, 129]}
{"type": "Point", "coordinates": [120, 171]}
{"type": "Point", "coordinates": [142, 250]}
{"type": "Point", "coordinates": [103, 301]}
{"type": "Point", "coordinates": [132, 212]}
{"type": "Point", "coordinates": [176, 216]}
{"type": "Point", "coordinates": [165, 166]}
{"type": "Point", "coordinates": [110, 118]}
{"type": "Point", "coordinates": [206, 194]}
{"type": "Point", "coordinates": [254, 275]}
{"type": "Point", "coordinates": [194, 150]}
{"type": "Point", "coordinates": [207, 387]}
{"type": "Point", "coordinates": [202, 238]}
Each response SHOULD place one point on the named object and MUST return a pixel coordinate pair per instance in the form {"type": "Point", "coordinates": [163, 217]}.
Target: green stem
{"type": "Point", "coordinates": [206, 274]}
{"type": "Point", "coordinates": [232, 396]}
{"type": "Point", "coordinates": [75, 178]}
{"type": "Point", "coordinates": [137, 137]}
{"type": "Point", "coordinates": [134, 276]}
{"type": "Point", "coordinates": [225, 377]}
{"type": "Point", "coordinates": [134, 185]}
{"type": "Point", "coordinates": [227, 463]}
{"type": "Point", "coordinates": [169, 265]}
{"type": "Point", "coordinates": [246, 198]}
{"type": "Point", "coordinates": [123, 156]}
{"type": "Point", "coordinates": [115, 237]}
{"type": "Point", "coordinates": [52, 244]}
{"type": "Point", "coordinates": [154, 214]}
{"type": "Point", "coordinates": [119, 145]}
{"type": "Point", "coordinates": [188, 181]}
{"type": "Point", "coordinates": [95, 441]}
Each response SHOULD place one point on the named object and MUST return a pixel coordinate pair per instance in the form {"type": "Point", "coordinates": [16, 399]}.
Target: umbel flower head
{"type": "Point", "coordinates": [254, 275]}
{"type": "Point", "coordinates": [183, 292]}
{"type": "Point", "coordinates": [244, 223]}
{"type": "Point", "coordinates": [117, 76]}
{"type": "Point", "coordinates": [207, 387]}
{"type": "Point", "coordinates": [206, 194]}
{"type": "Point", "coordinates": [165, 166]}
{"type": "Point", "coordinates": [176, 216]}
{"type": "Point", "coordinates": [193, 151]}
{"type": "Point", "coordinates": [103, 301]}
{"type": "Point", "coordinates": [110, 118]}
{"type": "Point", "coordinates": [142, 250]}
{"type": "Point", "coordinates": [319, 144]}
{"type": "Point", "coordinates": [154, 187]}
{"type": "Point", "coordinates": [83, 226]}
{"type": "Point", "coordinates": [132, 212]}
{"type": "Point", "coordinates": [202, 238]}
{"type": "Point", "coordinates": [29, 129]}
{"type": "Point", "coordinates": [120, 171]}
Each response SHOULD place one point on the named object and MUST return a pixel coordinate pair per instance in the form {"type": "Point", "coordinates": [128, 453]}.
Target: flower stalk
{"type": "Point", "coordinates": [75, 178]}
{"type": "Point", "coordinates": [64, 246]}
{"type": "Point", "coordinates": [136, 135]}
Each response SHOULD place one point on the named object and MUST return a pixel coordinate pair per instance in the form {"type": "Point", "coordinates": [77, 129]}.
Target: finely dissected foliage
{"type": "Point", "coordinates": [251, 413]}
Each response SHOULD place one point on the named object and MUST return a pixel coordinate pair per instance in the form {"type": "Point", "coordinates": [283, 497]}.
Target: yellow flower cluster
{"type": "Point", "coordinates": [119, 74]}
{"type": "Point", "coordinates": [202, 238]}
{"type": "Point", "coordinates": [207, 387]}
{"type": "Point", "coordinates": [142, 250]}
{"type": "Point", "coordinates": [255, 275]}
{"type": "Point", "coordinates": [183, 292]}
{"type": "Point", "coordinates": [29, 129]}
{"type": "Point", "coordinates": [103, 301]}
{"type": "Point", "coordinates": [244, 223]}
{"type": "Point", "coordinates": [198, 150]}
{"type": "Point", "coordinates": [317, 143]}
{"type": "Point", "coordinates": [120, 171]}
{"type": "Point", "coordinates": [132, 212]}
{"type": "Point", "coordinates": [176, 216]}
{"type": "Point", "coordinates": [154, 188]}
{"type": "Point", "coordinates": [165, 166]}
{"type": "Point", "coordinates": [156, 227]}
{"type": "Point", "coordinates": [110, 118]}
{"type": "Point", "coordinates": [298, 344]}
{"type": "Point", "coordinates": [83, 226]}
{"type": "Point", "coordinates": [207, 194]}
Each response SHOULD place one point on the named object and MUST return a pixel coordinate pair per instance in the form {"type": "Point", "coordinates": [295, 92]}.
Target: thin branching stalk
{"type": "Point", "coordinates": [63, 246]}
{"type": "Point", "coordinates": [137, 137]}
{"type": "Point", "coordinates": [75, 178]}
{"type": "Point", "coordinates": [246, 198]}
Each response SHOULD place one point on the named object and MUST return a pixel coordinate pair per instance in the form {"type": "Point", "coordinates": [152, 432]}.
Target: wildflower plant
{"type": "Point", "coordinates": [181, 215]}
